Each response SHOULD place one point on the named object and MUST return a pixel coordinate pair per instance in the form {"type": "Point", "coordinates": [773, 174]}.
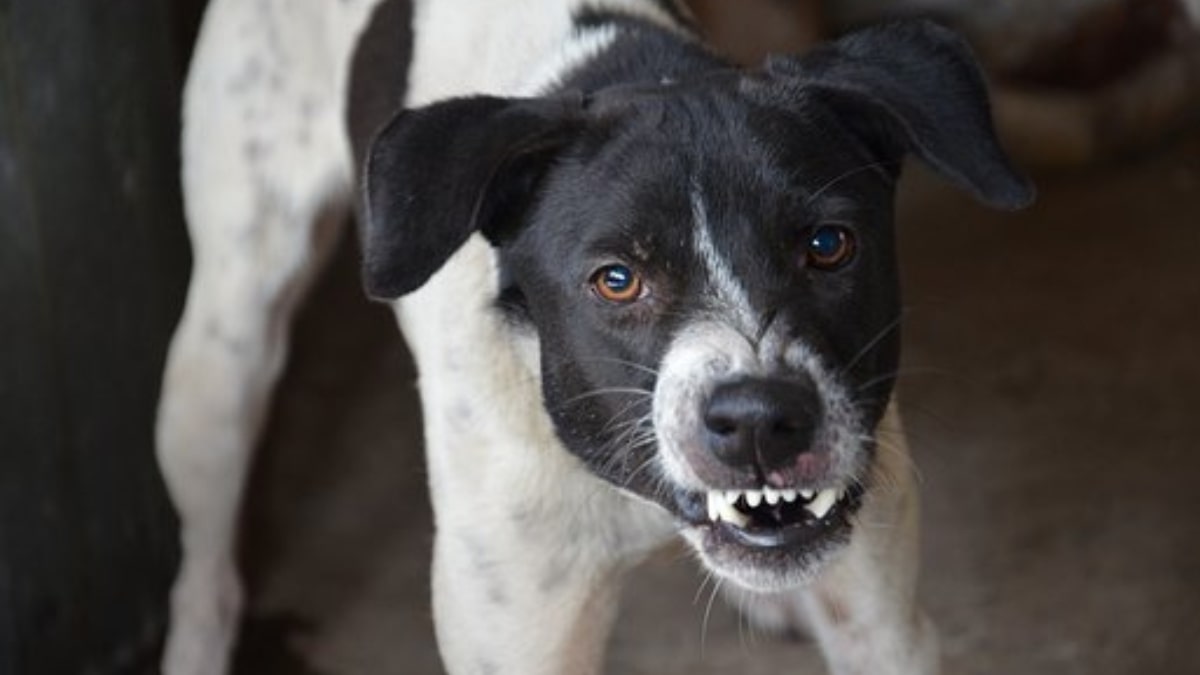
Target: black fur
{"type": "Point", "coordinates": [436, 175]}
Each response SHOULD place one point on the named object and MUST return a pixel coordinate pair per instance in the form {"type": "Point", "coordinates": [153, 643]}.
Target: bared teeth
{"type": "Point", "coordinates": [723, 504]}
{"type": "Point", "coordinates": [716, 502]}
{"type": "Point", "coordinates": [824, 501]}
{"type": "Point", "coordinates": [721, 508]}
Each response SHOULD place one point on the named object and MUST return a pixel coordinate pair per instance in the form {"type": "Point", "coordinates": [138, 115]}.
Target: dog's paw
{"type": "Point", "coordinates": [206, 605]}
{"type": "Point", "coordinates": [779, 614]}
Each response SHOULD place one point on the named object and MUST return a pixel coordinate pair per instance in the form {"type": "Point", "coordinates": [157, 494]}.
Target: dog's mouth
{"type": "Point", "coordinates": [767, 538]}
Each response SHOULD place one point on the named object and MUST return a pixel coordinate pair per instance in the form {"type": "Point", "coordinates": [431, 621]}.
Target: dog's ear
{"type": "Point", "coordinates": [917, 83]}
{"type": "Point", "coordinates": [437, 174]}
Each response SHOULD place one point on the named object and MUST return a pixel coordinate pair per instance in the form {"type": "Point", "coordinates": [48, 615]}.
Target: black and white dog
{"type": "Point", "coordinates": [649, 294]}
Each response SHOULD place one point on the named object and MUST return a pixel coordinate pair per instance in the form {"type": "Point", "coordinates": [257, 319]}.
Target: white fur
{"type": "Point", "coordinates": [723, 282]}
{"type": "Point", "coordinates": [530, 546]}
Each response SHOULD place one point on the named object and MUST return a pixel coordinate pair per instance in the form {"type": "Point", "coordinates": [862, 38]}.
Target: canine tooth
{"type": "Point", "coordinates": [824, 501]}
{"type": "Point", "coordinates": [788, 495]}
{"type": "Point", "coordinates": [771, 496]}
{"type": "Point", "coordinates": [714, 499]}
{"type": "Point", "coordinates": [806, 494]}
{"type": "Point", "coordinates": [731, 515]}
{"type": "Point", "coordinates": [753, 498]}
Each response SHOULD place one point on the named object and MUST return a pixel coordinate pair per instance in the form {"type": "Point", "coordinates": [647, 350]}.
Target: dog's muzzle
{"type": "Point", "coordinates": [768, 464]}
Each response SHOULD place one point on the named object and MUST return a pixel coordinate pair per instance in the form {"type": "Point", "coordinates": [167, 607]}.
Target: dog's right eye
{"type": "Point", "coordinates": [617, 284]}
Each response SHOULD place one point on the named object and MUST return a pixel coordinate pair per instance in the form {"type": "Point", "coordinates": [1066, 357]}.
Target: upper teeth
{"type": "Point", "coordinates": [721, 509]}
{"type": "Point", "coordinates": [721, 502]}
{"type": "Point", "coordinates": [821, 504]}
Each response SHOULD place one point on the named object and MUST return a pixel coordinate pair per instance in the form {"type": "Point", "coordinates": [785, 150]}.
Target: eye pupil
{"type": "Point", "coordinates": [826, 242]}
{"type": "Point", "coordinates": [617, 283]}
{"type": "Point", "coordinates": [829, 247]}
{"type": "Point", "coordinates": [618, 278]}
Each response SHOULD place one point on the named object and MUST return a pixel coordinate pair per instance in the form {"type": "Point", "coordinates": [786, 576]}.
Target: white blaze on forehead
{"type": "Point", "coordinates": [725, 285]}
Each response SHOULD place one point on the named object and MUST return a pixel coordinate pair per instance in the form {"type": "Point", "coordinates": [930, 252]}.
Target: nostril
{"type": "Point", "coordinates": [722, 425]}
{"type": "Point", "coordinates": [783, 427]}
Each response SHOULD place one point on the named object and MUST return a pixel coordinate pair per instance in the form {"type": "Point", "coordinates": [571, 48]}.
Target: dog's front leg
{"type": "Point", "coordinates": [528, 565]}
{"type": "Point", "coordinates": [267, 181]}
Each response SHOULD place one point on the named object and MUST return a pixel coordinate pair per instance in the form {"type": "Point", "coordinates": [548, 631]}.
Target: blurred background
{"type": "Point", "coordinates": [1052, 383]}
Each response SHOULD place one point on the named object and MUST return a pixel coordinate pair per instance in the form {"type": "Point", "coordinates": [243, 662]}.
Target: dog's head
{"type": "Point", "coordinates": [707, 266]}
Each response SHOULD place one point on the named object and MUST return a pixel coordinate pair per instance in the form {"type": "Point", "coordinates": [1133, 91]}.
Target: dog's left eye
{"type": "Point", "coordinates": [829, 247]}
{"type": "Point", "coordinates": [617, 283]}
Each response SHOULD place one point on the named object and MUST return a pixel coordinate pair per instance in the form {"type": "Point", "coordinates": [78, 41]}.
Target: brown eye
{"type": "Point", "coordinates": [617, 283]}
{"type": "Point", "coordinates": [829, 247]}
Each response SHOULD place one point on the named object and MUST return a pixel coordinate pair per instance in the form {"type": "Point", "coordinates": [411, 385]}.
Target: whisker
{"type": "Point", "coordinates": [897, 451]}
{"type": "Point", "coordinates": [902, 372]}
{"type": "Point", "coordinates": [631, 391]}
{"type": "Point", "coordinates": [865, 167]}
{"type": "Point", "coordinates": [648, 463]}
{"type": "Point", "coordinates": [741, 619]}
{"type": "Point", "coordinates": [619, 417]}
{"type": "Point", "coordinates": [707, 611]}
{"type": "Point", "coordinates": [873, 342]}
{"type": "Point", "coordinates": [708, 575]}
{"type": "Point", "coordinates": [623, 362]}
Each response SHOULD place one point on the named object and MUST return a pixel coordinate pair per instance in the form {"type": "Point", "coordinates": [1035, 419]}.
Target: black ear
{"type": "Point", "coordinates": [435, 175]}
{"type": "Point", "coordinates": [920, 83]}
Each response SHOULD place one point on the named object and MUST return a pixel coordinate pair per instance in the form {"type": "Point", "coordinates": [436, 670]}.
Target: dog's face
{"type": "Point", "coordinates": [713, 286]}
{"type": "Point", "coordinates": [708, 269]}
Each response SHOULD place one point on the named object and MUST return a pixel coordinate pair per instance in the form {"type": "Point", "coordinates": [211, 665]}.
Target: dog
{"type": "Point", "coordinates": [650, 295]}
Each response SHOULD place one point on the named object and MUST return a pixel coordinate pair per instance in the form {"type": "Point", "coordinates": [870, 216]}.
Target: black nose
{"type": "Point", "coordinates": [770, 421]}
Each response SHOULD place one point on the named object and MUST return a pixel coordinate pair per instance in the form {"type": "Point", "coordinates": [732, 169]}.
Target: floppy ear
{"type": "Point", "coordinates": [918, 83]}
{"type": "Point", "coordinates": [435, 175]}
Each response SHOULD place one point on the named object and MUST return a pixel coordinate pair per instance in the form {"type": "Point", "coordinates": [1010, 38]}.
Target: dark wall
{"type": "Point", "coordinates": [93, 265]}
